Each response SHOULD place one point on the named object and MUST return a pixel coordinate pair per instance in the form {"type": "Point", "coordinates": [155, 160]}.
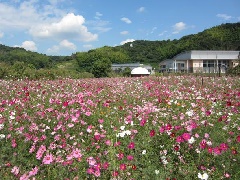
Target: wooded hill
{"type": "Point", "coordinates": [222, 37]}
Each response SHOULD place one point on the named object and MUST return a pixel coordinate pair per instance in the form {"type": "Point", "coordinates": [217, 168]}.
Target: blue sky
{"type": "Point", "coordinates": [63, 27]}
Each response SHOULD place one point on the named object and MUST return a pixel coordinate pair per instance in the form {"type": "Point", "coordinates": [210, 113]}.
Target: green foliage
{"type": "Point", "coordinates": [127, 72]}
{"type": "Point", "coordinates": [11, 55]}
{"type": "Point", "coordinates": [99, 60]}
{"type": "Point", "coordinates": [3, 70]}
{"type": "Point", "coordinates": [101, 67]}
{"type": "Point", "coordinates": [234, 71]}
{"type": "Point", "coordinates": [18, 69]}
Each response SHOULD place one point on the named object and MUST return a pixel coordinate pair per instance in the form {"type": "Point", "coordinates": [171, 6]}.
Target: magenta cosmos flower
{"type": "Point", "coordinates": [152, 133]}
{"type": "Point", "coordinates": [131, 145]}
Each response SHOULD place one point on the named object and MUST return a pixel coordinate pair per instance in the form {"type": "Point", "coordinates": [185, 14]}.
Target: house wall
{"type": "Point", "coordinates": [201, 61]}
{"type": "Point", "coordinates": [197, 66]}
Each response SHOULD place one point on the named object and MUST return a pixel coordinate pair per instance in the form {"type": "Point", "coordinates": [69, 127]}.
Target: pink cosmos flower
{"type": "Point", "coordinates": [40, 152]}
{"type": "Point", "coordinates": [97, 173]}
{"type": "Point", "coordinates": [162, 129]}
{"type": "Point", "coordinates": [238, 138]}
{"type": "Point", "coordinates": [143, 122]}
{"type": "Point", "coordinates": [97, 136]}
{"type": "Point", "coordinates": [100, 121]}
{"type": "Point", "coordinates": [70, 125]}
{"type": "Point", "coordinates": [203, 144]}
{"type": "Point", "coordinates": [105, 165]}
{"type": "Point", "coordinates": [217, 151]}
{"type": "Point", "coordinates": [176, 148]}
{"type": "Point", "coordinates": [108, 142]}
{"type": "Point", "coordinates": [186, 136]}
{"type": "Point", "coordinates": [227, 175]}
{"type": "Point", "coordinates": [210, 150]}
{"type": "Point", "coordinates": [206, 135]}
{"type": "Point", "coordinates": [15, 170]}
{"type": "Point", "coordinates": [115, 173]}
{"type": "Point", "coordinates": [122, 167]}
{"type": "Point", "coordinates": [196, 135]}
{"type": "Point", "coordinates": [131, 145]}
{"type": "Point", "coordinates": [88, 113]}
{"type": "Point", "coordinates": [224, 147]}
{"type": "Point", "coordinates": [117, 143]}
{"type": "Point", "coordinates": [130, 157]}
{"type": "Point", "coordinates": [90, 170]}
{"type": "Point", "coordinates": [77, 153]}
{"type": "Point", "coordinates": [179, 139]}
{"type": "Point", "coordinates": [34, 171]}
{"type": "Point", "coordinates": [91, 161]}
{"type": "Point", "coordinates": [152, 133]}
{"type": "Point", "coordinates": [208, 113]}
{"type": "Point", "coordinates": [14, 144]}
{"type": "Point", "coordinates": [120, 156]}
{"type": "Point", "coordinates": [168, 127]}
{"type": "Point", "coordinates": [65, 104]}
{"type": "Point", "coordinates": [48, 159]}
{"type": "Point", "coordinates": [24, 177]}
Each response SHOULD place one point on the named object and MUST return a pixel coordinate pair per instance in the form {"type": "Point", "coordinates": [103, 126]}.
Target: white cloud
{"type": "Point", "coordinates": [21, 18]}
{"type": "Point", "coordinates": [224, 16]}
{"type": "Point", "coordinates": [53, 50]}
{"type": "Point", "coordinates": [126, 20]}
{"type": "Point", "coordinates": [69, 27]}
{"type": "Point", "coordinates": [179, 27]}
{"type": "Point", "coordinates": [28, 45]}
{"type": "Point", "coordinates": [54, 2]}
{"type": "Point", "coordinates": [153, 29]}
{"type": "Point", "coordinates": [69, 45]}
{"type": "Point", "coordinates": [99, 25]}
{"type": "Point", "coordinates": [162, 33]}
{"type": "Point", "coordinates": [238, 18]}
{"type": "Point", "coordinates": [27, 14]}
{"type": "Point", "coordinates": [63, 45]}
{"type": "Point", "coordinates": [126, 41]}
{"type": "Point", "coordinates": [124, 32]}
{"type": "Point", "coordinates": [98, 15]}
{"type": "Point", "coordinates": [44, 21]}
{"type": "Point", "coordinates": [1, 34]}
{"type": "Point", "coordinates": [141, 9]}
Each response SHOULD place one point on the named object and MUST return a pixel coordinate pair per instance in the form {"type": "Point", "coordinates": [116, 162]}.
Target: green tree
{"type": "Point", "coordinates": [101, 68]}
{"type": "Point", "coordinates": [18, 68]}
{"type": "Point", "coordinates": [127, 72]}
{"type": "Point", "coordinates": [3, 70]}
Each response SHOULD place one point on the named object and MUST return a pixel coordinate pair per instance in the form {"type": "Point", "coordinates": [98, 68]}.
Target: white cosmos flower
{"type": "Point", "coordinates": [1, 126]}
{"type": "Point", "coordinates": [122, 128]}
{"type": "Point", "coordinates": [122, 134]}
{"type": "Point", "coordinates": [12, 117]}
{"type": "Point", "coordinates": [189, 113]}
{"type": "Point", "coordinates": [128, 132]}
{"type": "Point", "coordinates": [203, 176]}
{"type": "Point", "coordinates": [2, 136]}
{"type": "Point", "coordinates": [191, 140]}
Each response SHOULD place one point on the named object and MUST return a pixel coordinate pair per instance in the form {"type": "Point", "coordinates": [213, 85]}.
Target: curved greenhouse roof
{"type": "Point", "coordinates": [140, 71]}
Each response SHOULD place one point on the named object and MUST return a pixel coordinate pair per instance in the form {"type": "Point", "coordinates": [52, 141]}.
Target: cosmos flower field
{"type": "Point", "coordinates": [175, 127]}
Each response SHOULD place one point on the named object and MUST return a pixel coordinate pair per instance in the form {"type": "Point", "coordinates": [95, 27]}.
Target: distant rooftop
{"type": "Point", "coordinates": [140, 70]}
